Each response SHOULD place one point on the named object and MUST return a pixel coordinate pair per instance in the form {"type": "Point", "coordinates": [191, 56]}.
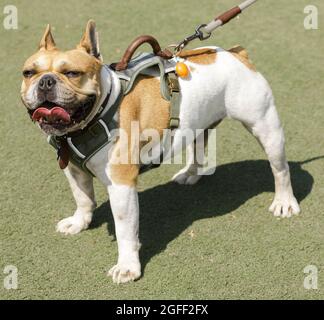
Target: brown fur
{"type": "Point", "coordinates": [50, 59]}
{"type": "Point", "coordinates": [60, 62]}
{"type": "Point", "coordinates": [200, 56]}
{"type": "Point", "coordinates": [145, 105]}
{"type": "Point", "coordinates": [241, 54]}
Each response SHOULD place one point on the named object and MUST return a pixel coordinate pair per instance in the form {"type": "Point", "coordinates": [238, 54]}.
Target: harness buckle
{"type": "Point", "coordinates": [173, 83]}
{"type": "Point", "coordinates": [174, 123]}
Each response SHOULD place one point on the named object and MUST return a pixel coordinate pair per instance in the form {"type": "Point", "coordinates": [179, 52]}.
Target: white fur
{"type": "Point", "coordinates": [31, 94]}
{"type": "Point", "coordinates": [212, 92]}
{"type": "Point", "coordinates": [124, 205]}
{"type": "Point", "coordinates": [82, 188]}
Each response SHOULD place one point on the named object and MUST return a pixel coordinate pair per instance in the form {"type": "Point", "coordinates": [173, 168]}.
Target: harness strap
{"type": "Point", "coordinates": [174, 101]}
{"type": "Point", "coordinates": [86, 143]}
{"type": "Point", "coordinates": [79, 147]}
{"type": "Point", "coordinates": [174, 96]}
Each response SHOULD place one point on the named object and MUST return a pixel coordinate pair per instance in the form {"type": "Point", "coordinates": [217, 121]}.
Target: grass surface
{"type": "Point", "coordinates": [214, 240]}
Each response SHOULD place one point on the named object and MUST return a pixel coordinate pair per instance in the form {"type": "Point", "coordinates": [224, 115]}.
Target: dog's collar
{"type": "Point", "coordinates": [108, 100]}
{"type": "Point", "coordinates": [106, 92]}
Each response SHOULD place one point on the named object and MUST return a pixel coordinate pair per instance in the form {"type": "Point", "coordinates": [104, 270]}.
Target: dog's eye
{"type": "Point", "coordinates": [72, 74]}
{"type": "Point", "coordinates": [29, 73]}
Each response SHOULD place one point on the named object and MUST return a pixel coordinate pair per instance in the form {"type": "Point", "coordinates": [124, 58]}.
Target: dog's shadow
{"type": "Point", "coordinates": [167, 210]}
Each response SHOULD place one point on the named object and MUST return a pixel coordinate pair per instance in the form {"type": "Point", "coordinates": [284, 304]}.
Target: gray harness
{"type": "Point", "coordinates": [84, 144]}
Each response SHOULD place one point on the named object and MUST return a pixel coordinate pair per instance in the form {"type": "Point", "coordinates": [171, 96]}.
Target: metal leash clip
{"type": "Point", "coordinates": [204, 31]}
{"type": "Point", "coordinates": [199, 34]}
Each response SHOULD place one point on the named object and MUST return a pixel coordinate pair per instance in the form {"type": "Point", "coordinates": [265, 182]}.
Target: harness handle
{"type": "Point", "coordinates": [122, 65]}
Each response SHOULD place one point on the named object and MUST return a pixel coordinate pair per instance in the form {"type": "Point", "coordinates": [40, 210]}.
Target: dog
{"type": "Point", "coordinates": [222, 84]}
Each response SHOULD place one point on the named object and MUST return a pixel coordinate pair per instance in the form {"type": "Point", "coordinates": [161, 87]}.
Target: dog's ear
{"type": "Point", "coordinates": [47, 42]}
{"type": "Point", "coordinates": [90, 40]}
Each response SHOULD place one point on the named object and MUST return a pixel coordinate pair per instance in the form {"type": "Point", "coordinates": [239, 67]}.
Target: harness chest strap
{"type": "Point", "coordinates": [81, 146]}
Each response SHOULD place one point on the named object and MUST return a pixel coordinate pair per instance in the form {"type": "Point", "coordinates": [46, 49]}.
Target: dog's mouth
{"type": "Point", "coordinates": [51, 115]}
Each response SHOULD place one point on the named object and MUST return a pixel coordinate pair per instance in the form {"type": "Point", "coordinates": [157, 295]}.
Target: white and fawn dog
{"type": "Point", "coordinates": [221, 84]}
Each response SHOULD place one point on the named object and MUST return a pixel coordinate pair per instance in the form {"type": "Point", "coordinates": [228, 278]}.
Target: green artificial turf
{"type": "Point", "coordinates": [214, 240]}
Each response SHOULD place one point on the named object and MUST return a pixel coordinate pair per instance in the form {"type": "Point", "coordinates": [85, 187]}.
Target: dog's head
{"type": "Point", "coordinates": [61, 89]}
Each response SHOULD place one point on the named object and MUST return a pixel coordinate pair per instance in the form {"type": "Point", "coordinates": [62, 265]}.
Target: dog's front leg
{"type": "Point", "coordinates": [124, 206]}
{"type": "Point", "coordinates": [82, 188]}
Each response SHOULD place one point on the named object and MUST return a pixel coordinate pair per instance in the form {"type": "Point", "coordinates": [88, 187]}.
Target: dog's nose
{"type": "Point", "coordinates": [46, 83]}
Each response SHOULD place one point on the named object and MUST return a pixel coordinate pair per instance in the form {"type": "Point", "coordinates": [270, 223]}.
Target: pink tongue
{"type": "Point", "coordinates": [55, 114]}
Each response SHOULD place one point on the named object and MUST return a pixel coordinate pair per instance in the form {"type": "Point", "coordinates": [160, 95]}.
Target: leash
{"type": "Point", "coordinates": [204, 31]}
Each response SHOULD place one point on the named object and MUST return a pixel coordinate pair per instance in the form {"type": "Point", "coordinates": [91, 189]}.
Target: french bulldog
{"type": "Point", "coordinates": [63, 91]}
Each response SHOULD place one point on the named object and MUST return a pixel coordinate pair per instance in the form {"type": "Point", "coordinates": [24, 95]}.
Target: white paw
{"type": "Point", "coordinates": [71, 225]}
{"type": "Point", "coordinates": [184, 177]}
{"type": "Point", "coordinates": [285, 207]}
{"type": "Point", "coordinates": [125, 272]}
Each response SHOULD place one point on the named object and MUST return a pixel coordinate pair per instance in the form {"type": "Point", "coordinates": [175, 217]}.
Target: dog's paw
{"type": "Point", "coordinates": [71, 225]}
{"type": "Point", "coordinates": [122, 273]}
{"type": "Point", "coordinates": [184, 177]}
{"type": "Point", "coordinates": [285, 207]}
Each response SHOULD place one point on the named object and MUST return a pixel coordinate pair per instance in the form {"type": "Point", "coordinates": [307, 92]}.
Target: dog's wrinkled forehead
{"type": "Point", "coordinates": [62, 61]}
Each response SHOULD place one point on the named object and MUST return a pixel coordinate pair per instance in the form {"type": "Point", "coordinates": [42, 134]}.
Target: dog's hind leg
{"type": "Point", "coordinates": [269, 133]}
{"type": "Point", "coordinates": [188, 175]}
{"type": "Point", "coordinates": [82, 188]}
